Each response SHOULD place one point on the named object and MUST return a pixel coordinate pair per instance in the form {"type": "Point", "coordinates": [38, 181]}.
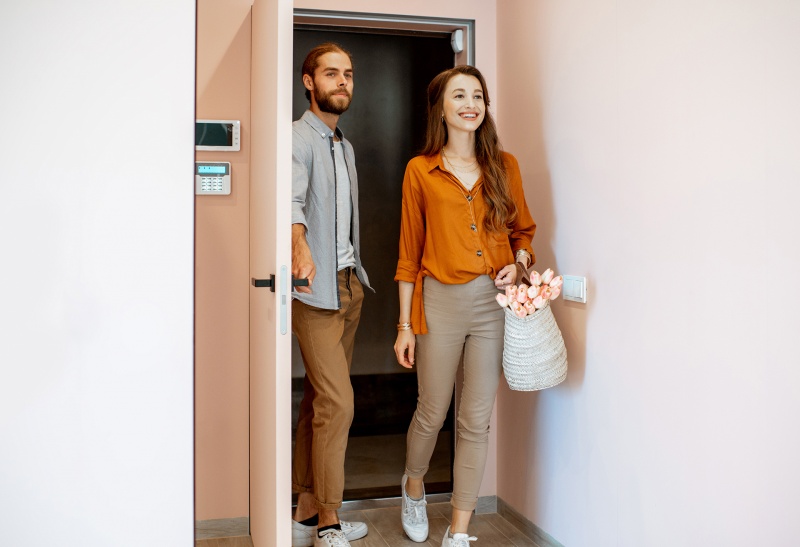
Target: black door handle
{"type": "Point", "coordinates": [264, 282]}
{"type": "Point", "coordinates": [271, 282]}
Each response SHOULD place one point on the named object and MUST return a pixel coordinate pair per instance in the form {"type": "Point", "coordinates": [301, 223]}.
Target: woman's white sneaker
{"type": "Point", "coordinates": [458, 540]}
{"type": "Point", "coordinates": [414, 515]}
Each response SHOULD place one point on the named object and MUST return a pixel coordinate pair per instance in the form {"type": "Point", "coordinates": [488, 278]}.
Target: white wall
{"type": "Point", "coordinates": [659, 143]}
{"type": "Point", "coordinates": [96, 236]}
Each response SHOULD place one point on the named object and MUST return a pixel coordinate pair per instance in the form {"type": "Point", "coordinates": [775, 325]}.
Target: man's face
{"type": "Point", "coordinates": [332, 85]}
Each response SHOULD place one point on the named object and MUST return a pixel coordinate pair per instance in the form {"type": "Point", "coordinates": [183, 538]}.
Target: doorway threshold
{"type": "Point", "coordinates": [380, 503]}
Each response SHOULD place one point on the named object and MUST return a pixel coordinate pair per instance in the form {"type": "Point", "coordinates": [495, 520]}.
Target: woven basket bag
{"type": "Point", "coordinates": [534, 355]}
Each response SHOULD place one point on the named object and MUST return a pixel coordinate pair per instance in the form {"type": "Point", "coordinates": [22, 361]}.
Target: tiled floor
{"type": "Point", "coordinates": [385, 530]}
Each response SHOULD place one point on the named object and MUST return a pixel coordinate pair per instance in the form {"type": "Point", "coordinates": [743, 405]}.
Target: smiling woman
{"type": "Point", "coordinates": [459, 195]}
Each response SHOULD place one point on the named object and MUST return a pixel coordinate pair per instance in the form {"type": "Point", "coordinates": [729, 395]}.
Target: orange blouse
{"type": "Point", "coordinates": [437, 235]}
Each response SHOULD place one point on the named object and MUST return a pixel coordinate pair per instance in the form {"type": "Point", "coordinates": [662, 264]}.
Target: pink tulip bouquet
{"type": "Point", "coordinates": [534, 354]}
{"type": "Point", "coordinates": [525, 299]}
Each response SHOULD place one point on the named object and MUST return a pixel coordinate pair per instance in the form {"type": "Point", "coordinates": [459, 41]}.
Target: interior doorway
{"type": "Point", "coordinates": [385, 124]}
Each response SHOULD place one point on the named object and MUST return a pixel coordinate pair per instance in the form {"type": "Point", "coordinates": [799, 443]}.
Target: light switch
{"type": "Point", "coordinates": [574, 288]}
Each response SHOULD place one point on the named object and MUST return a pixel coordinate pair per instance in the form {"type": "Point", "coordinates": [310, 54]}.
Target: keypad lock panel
{"type": "Point", "coordinates": [212, 178]}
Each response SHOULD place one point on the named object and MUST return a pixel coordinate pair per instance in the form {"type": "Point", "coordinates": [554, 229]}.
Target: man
{"type": "Point", "coordinates": [325, 314]}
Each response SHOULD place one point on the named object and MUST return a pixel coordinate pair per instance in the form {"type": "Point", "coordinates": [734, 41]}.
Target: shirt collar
{"type": "Point", "coordinates": [319, 126]}
{"type": "Point", "coordinates": [435, 161]}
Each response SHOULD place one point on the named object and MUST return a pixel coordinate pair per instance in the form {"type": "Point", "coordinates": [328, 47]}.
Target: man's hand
{"type": "Point", "coordinates": [302, 262]}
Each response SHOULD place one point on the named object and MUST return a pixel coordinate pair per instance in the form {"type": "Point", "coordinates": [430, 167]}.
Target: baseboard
{"type": "Point", "coordinates": [222, 528]}
{"type": "Point", "coordinates": [533, 532]}
{"type": "Point", "coordinates": [486, 505]}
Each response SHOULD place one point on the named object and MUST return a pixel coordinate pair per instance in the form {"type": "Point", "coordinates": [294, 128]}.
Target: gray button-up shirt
{"type": "Point", "coordinates": [314, 205]}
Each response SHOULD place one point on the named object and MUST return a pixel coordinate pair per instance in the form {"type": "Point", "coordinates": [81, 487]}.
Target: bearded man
{"type": "Point", "coordinates": [325, 314]}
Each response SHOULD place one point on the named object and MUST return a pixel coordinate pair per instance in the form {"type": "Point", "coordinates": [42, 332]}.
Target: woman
{"type": "Point", "coordinates": [465, 233]}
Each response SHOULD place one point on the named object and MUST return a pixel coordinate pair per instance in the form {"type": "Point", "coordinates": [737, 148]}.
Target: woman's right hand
{"type": "Point", "coordinates": [404, 348]}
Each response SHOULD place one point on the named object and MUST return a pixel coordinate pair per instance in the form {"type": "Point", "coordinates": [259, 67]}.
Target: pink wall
{"type": "Point", "coordinates": [222, 270]}
{"type": "Point", "coordinates": [658, 142]}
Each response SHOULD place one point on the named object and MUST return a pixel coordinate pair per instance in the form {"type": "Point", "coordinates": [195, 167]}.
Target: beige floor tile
{"type": "Point", "coordinates": [352, 516]}
{"type": "Point", "coordinates": [372, 539]}
{"type": "Point", "coordinates": [488, 534]}
{"type": "Point", "coordinates": [444, 510]}
{"type": "Point", "coordinates": [509, 530]}
{"type": "Point", "coordinates": [387, 523]}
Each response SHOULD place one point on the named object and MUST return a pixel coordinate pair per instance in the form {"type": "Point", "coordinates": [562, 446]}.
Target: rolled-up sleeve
{"type": "Point", "coordinates": [301, 165]}
{"type": "Point", "coordinates": [412, 228]}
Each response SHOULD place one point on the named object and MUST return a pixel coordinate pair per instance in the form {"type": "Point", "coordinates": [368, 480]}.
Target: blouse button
{"type": "Point", "coordinates": [469, 198]}
{"type": "Point", "coordinates": [480, 253]}
{"type": "Point", "coordinates": [473, 227]}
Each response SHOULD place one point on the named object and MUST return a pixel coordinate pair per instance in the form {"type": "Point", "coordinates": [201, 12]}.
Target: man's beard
{"type": "Point", "coordinates": [327, 103]}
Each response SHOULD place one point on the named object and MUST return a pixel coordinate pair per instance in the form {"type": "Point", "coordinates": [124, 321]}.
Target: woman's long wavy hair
{"type": "Point", "coordinates": [501, 210]}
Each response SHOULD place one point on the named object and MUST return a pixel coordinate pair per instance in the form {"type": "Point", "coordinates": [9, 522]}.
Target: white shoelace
{"type": "Point", "coordinates": [335, 538]}
{"type": "Point", "coordinates": [416, 511]}
{"type": "Point", "coordinates": [461, 541]}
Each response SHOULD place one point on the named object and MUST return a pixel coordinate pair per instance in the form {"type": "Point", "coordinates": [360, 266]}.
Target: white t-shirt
{"type": "Point", "coordinates": [344, 210]}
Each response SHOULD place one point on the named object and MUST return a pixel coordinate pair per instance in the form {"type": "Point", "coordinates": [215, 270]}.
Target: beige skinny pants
{"type": "Point", "coordinates": [463, 320]}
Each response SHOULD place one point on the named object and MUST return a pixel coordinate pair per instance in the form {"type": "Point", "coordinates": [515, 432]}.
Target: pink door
{"type": "Point", "coordinates": [270, 254]}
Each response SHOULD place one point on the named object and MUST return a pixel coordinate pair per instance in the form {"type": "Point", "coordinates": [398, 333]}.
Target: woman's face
{"type": "Point", "coordinates": [463, 104]}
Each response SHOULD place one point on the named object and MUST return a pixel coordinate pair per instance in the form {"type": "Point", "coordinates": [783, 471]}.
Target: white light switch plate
{"type": "Point", "coordinates": [574, 288]}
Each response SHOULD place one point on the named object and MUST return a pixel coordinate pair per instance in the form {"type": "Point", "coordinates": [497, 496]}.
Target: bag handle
{"type": "Point", "coordinates": [523, 275]}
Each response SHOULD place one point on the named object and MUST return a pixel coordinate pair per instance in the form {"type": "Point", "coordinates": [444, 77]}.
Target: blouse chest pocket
{"type": "Point", "coordinates": [498, 239]}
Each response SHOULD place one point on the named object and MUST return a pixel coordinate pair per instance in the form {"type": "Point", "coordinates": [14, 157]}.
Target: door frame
{"type": "Point", "coordinates": [270, 382]}
{"type": "Point", "coordinates": [393, 23]}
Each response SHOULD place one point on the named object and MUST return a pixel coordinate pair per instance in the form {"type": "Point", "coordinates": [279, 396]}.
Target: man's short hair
{"type": "Point", "coordinates": [311, 63]}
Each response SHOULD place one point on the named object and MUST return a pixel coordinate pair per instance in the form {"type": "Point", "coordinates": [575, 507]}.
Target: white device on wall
{"type": "Point", "coordinates": [457, 40]}
{"type": "Point", "coordinates": [212, 178]}
{"type": "Point", "coordinates": [220, 135]}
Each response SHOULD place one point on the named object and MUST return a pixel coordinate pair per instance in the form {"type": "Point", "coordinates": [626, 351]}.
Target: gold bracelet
{"type": "Point", "coordinates": [404, 326]}
{"type": "Point", "coordinates": [522, 253]}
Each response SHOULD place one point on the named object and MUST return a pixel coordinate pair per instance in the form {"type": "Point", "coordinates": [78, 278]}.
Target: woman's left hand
{"type": "Point", "coordinates": [505, 277]}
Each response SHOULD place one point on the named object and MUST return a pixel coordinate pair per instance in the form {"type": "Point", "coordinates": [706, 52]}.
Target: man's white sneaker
{"type": "Point", "coordinates": [458, 540]}
{"type": "Point", "coordinates": [353, 530]}
{"type": "Point", "coordinates": [414, 515]}
{"type": "Point", "coordinates": [331, 538]}
{"type": "Point", "coordinates": [303, 536]}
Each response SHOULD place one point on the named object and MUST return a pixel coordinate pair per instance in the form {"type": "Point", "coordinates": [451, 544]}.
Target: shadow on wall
{"type": "Point", "coordinates": [528, 420]}
{"type": "Point", "coordinates": [532, 157]}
